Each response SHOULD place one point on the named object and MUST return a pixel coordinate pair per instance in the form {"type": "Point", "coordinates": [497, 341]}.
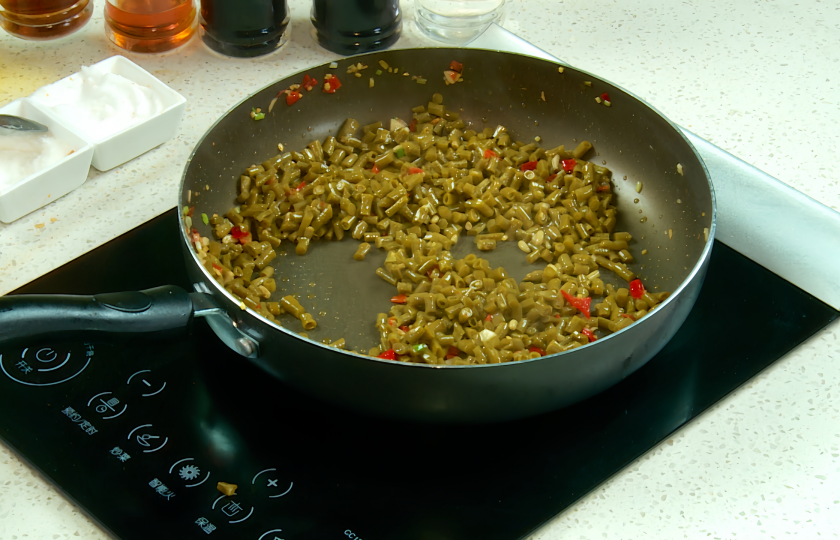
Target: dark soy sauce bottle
{"type": "Point", "coordinates": [244, 28]}
{"type": "Point", "coordinates": [356, 26]}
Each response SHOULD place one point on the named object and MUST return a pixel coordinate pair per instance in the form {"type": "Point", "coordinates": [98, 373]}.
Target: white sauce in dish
{"type": "Point", "coordinates": [23, 154]}
{"type": "Point", "coordinates": [99, 104]}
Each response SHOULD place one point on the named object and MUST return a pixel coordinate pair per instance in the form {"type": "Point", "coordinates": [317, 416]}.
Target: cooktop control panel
{"type": "Point", "coordinates": [122, 426]}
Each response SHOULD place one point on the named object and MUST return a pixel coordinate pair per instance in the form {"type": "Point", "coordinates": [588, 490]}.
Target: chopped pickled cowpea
{"type": "Point", "coordinates": [413, 189]}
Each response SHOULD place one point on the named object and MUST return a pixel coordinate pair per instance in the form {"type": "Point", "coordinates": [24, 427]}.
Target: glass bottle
{"type": "Point", "coordinates": [41, 20]}
{"type": "Point", "coordinates": [356, 26]}
{"type": "Point", "coordinates": [244, 28]}
{"type": "Point", "coordinates": [456, 22]}
{"type": "Point", "coordinates": [149, 26]}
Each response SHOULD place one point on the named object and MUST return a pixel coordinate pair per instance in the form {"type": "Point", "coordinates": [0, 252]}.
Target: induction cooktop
{"type": "Point", "coordinates": [139, 433]}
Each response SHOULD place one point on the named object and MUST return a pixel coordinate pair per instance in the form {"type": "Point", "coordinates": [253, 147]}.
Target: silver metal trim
{"type": "Point", "coordinates": [204, 306]}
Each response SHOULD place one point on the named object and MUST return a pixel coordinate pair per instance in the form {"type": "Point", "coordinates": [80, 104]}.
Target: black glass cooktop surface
{"type": "Point", "coordinates": [140, 432]}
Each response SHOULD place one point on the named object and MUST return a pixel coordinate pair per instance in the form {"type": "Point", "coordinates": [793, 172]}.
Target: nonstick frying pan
{"type": "Point", "coordinates": [668, 218]}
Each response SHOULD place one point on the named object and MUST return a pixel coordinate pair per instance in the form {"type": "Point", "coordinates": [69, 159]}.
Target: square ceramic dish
{"type": "Point", "coordinates": [57, 180]}
{"type": "Point", "coordinates": [128, 143]}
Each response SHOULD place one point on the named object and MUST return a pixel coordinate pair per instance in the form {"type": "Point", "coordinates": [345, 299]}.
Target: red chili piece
{"type": "Point", "coordinates": [432, 269]}
{"type": "Point", "coordinates": [238, 232]}
{"type": "Point", "coordinates": [603, 188]}
{"type": "Point", "coordinates": [300, 186]}
{"type": "Point", "coordinates": [636, 289]}
{"type": "Point", "coordinates": [580, 304]}
{"type": "Point", "coordinates": [375, 169]}
{"type": "Point", "coordinates": [628, 316]}
{"type": "Point", "coordinates": [195, 236]}
{"type": "Point", "coordinates": [399, 299]}
{"type": "Point", "coordinates": [293, 97]}
{"type": "Point", "coordinates": [534, 348]}
{"type": "Point", "coordinates": [190, 213]}
{"type": "Point", "coordinates": [588, 333]}
{"type": "Point", "coordinates": [415, 170]}
{"type": "Point", "coordinates": [489, 153]}
{"type": "Point", "coordinates": [309, 82]}
{"type": "Point", "coordinates": [569, 165]}
{"type": "Point", "coordinates": [552, 177]}
{"type": "Point", "coordinates": [405, 328]}
{"type": "Point", "coordinates": [529, 166]}
{"type": "Point", "coordinates": [217, 267]}
{"type": "Point", "coordinates": [392, 321]}
{"type": "Point", "coordinates": [413, 125]}
{"type": "Point", "coordinates": [605, 97]}
{"type": "Point", "coordinates": [452, 353]}
{"type": "Point", "coordinates": [456, 66]}
{"type": "Point", "coordinates": [334, 83]}
{"type": "Point", "coordinates": [488, 317]}
{"type": "Point", "coordinates": [390, 354]}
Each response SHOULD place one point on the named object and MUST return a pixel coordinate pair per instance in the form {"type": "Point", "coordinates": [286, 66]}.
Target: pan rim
{"type": "Point", "coordinates": [255, 319]}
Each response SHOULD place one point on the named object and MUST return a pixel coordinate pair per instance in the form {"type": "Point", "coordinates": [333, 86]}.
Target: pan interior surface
{"type": "Point", "coordinates": [664, 209]}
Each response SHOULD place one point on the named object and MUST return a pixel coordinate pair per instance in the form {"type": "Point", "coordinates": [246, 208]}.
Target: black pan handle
{"type": "Point", "coordinates": [162, 310]}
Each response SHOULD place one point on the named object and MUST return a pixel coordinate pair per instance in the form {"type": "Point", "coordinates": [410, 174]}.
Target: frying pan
{"type": "Point", "coordinates": [667, 217]}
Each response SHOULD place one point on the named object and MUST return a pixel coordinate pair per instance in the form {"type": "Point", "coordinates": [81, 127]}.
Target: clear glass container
{"type": "Point", "coordinates": [42, 20]}
{"type": "Point", "coordinates": [457, 22]}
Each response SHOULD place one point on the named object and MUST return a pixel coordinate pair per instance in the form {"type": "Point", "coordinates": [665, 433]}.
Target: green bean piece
{"type": "Point", "coordinates": [265, 258]}
{"type": "Point", "coordinates": [308, 322]}
{"type": "Point", "coordinates": [302, 245]}
{"type": "Point", "coordinates": [338, 156]}
{"type": "Point", "coordinates": [291, 305]}
{"type": "Point", "coordinates": [362, 250]}
{"type": "Point", "coordinates": [435, 108]}
{"type": "Point", "coordinates": [348, 129]}
{"type": "Point", "coordinates": [486, 244]}
{"type": "Point", "coordinates": [581, 149]}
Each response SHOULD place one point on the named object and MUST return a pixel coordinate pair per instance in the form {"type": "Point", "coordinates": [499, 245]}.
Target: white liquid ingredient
{"type": "Point", "coordinates": [22, 154]}
{"type": "Point", "coordinates": [99, 104]}
{"type": "Point", "coordinates": [461, 8]}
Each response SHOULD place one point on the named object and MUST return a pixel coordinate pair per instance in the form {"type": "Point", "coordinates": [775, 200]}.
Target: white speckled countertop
{"type": "Point", "coordinates": [757, 78]}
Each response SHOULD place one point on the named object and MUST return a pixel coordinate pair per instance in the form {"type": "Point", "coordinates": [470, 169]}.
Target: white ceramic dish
{"type": "Point", "coordinates": [136, 139]}
{"type": "Point", "coordinates": [55, 181]}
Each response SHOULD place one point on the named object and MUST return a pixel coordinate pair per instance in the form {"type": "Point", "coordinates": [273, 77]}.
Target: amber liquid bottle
{"type": "Point", "coordinates": [149, 26]}
{"type": "Point", "coordinates": [41, 20]}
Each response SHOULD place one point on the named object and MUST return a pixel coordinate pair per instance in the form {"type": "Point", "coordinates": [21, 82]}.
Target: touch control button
{"type": "Point", "coordinates": [269, 482]}
{"type": "Point", "coordinates": [46, 355]}
{"type": "Point", "coordinates": [232, 509]}
{"type": "Point", "coordinates": [149, 389]}
{"type": "Point", "coordinates": [187, 470]}
{"type": "Point", "coordinates": [107, 405]}
{"type": "Point", "coordinates": [45, 366]}
{"type": "Point", "coordinates": [147, 439]}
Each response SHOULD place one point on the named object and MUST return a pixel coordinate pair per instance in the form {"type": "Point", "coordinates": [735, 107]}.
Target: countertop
{"type": "Point", "coordinates": [757, 78]}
